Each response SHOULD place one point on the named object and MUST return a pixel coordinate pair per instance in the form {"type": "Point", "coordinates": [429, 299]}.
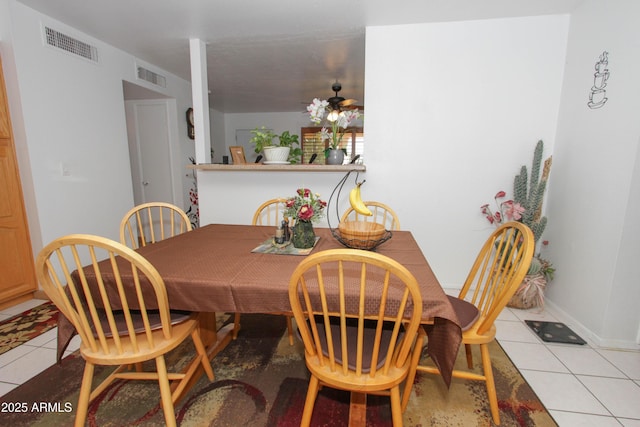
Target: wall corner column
{"type": "Point", "coordinates": [200, 96]}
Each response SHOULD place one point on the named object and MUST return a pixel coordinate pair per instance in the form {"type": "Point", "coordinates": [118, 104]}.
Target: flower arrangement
{"type": "Point", "coordinates": [305, 206]}
{"type": "Point", "coordinates": [320, 112]}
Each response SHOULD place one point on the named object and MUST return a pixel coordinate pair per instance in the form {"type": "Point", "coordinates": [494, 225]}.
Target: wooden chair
{"type": "Point", "coordinates": [115, 324]}
{"type": "Point", "coordinates": [382, 214]}
{"type": "Point", "coordinates": [495, 275]}
{"type": "Point", "coordinates": [361, 340]}
{"type": "Point", "coordinates": [270, 212]}
{"type": "Point", "coordinates": [152, 222]}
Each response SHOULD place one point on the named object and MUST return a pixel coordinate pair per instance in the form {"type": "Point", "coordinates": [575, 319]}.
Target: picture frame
{"type": "Point", "coordinates": [237, 154]}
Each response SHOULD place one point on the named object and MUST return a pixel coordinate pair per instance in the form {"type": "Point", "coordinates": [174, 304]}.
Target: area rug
{"type": "Point", "coordinates": [27, 325]}
{"type": "Point", "coordinates": [260, 380]}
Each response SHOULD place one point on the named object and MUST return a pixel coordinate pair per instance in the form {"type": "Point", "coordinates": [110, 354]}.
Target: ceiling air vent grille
{"type": "Point", "coordinates": [69, 44]}
{"type": "Point", "coordinates": [151, 77]}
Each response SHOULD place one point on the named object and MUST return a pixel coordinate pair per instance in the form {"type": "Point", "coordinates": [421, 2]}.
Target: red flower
{"type": "Point", "coordinates": [304, 192]}
{"type": "Point", "coordinates": [305, 213]}
{"type": "Point", "coordinates": [500, 194]}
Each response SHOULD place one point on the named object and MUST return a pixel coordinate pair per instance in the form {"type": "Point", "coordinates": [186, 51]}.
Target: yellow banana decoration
{"type": "Point", "coordinates": [356, 201]}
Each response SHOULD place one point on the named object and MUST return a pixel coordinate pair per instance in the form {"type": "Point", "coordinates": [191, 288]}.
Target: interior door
{"type": "Point", "coordinates": [17, 281]}
{"type": "Point", "coordinates": [149, 133]}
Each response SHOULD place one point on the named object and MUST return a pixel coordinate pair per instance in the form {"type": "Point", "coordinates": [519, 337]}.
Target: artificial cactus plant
{"type": "Point", "coordinates": [528, 191]}
{"type": "Point", "coordinates": [526, 206]}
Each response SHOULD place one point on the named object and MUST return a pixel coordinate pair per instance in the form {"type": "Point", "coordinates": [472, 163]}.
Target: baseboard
{"type": "Point", "coordinates": [586, 333]}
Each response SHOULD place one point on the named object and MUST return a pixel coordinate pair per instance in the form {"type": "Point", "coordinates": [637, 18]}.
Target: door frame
{"type": "Point", "coordinates": [135, 150]}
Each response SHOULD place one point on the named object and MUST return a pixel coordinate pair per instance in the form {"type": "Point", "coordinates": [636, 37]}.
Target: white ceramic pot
{"type": "Point", "coordinates": [276, 154]}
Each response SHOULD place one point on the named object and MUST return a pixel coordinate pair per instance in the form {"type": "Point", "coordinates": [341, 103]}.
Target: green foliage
{"type": "Point", "coordinates": [536, 266]}
{"type": "Point", "coordinates": [288, 140]}
{"type": "Point", "coordinates": [262, 137]}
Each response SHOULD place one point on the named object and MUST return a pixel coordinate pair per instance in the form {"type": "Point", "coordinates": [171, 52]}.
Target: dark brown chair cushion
{"type": "Point", "coordinates": [177, 316]}
{"type": "Point", "coordinates": [467, 312]}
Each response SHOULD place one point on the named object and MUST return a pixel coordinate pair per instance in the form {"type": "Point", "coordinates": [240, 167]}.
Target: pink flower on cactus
{"type": "Point", "coordinates": [514, 211]}
{"type": "Point", "coordinates": [505, 210]}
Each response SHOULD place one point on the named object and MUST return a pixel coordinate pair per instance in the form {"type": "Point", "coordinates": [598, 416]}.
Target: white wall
{"type": "Point", "coordinates": [486, 92]}
{"type": "Point", "coordinates": [594, 203]}
{"type": "Point", "coordinates": [73, 116]}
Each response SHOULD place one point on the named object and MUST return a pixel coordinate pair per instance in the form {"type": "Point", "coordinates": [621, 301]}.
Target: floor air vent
{"type": "Point", "coordinates": [151, 77]}
{"type": "Point", "coordinates": [69, 44]}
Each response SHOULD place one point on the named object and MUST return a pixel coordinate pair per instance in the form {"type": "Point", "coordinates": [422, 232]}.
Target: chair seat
{"type": "Point", "coordinates": [467, 313]}
{"type": "Point", "coordinates": [179, 332]}
{"type": "Point", "coordinates": [177, 316]}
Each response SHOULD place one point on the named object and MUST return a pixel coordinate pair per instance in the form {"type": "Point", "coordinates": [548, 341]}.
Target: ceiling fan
{"type": "Point", "coordinates": [337, 102]}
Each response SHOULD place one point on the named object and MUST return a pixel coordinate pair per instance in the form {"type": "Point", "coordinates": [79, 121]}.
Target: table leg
{"type": "Point", "coordinates": [214, 342]}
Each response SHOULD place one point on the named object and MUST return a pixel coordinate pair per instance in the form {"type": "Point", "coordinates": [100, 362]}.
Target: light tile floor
{"type": "Point", "coordinates": [579, 385]}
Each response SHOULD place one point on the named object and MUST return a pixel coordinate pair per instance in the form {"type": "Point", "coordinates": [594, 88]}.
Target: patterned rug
{"type": "Point", "coordinates": [261, 381]}
{"type": "Point", "coordinates": [27, 325]}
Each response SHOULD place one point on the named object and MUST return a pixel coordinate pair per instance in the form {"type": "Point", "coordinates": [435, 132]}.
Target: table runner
{"type": "Point", "coordinates": [212, 269]}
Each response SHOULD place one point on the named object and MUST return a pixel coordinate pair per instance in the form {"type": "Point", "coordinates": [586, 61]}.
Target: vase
{"type": "Point", "coordinates": [276, 154]}
{"type": "Point", "coordinates": [303, 235]}
{"type": "Point", "coordinates": [530, 293]}
{"type": "Point", "coordinates": [335, 157]}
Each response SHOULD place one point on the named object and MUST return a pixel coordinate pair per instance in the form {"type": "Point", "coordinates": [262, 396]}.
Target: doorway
{"type": "Point", "coordinates": [151, 121]}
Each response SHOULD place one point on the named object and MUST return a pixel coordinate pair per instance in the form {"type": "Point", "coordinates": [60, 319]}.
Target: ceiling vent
{"type": "Point", "coordinates": [69, 44]}
{"type": "Point", "coordinates": [151, 77]}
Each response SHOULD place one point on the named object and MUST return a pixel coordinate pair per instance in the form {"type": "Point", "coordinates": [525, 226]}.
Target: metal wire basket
{"type": "Point", "coordinates": [352, 237]}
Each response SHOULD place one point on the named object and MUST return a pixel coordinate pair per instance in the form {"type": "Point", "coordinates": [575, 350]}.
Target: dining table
{"type": "Point", "coordinates": [220, 268]}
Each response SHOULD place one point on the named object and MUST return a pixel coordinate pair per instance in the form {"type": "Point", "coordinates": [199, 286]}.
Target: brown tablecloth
{"type": "Point", "coordinates": [212, 269]}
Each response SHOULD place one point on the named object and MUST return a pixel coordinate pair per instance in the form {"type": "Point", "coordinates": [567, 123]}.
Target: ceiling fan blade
{"type": "Point", "coordinates": [347, 102]}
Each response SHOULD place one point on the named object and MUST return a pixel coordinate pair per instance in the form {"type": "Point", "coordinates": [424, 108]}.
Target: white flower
{"type": "Point", "coordinates": [325, 134]}
{"type": "Point", "coordinates": [317, 109]}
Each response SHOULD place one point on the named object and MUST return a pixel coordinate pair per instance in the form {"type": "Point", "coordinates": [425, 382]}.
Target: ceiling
{"type": "Point", "coordinates": [268, 55]}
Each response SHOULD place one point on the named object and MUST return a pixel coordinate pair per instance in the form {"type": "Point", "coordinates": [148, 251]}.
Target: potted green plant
{"type": "Point", "coordinates": [282, 152]}
{"type": "Point", "coordinates": [288, 140]}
